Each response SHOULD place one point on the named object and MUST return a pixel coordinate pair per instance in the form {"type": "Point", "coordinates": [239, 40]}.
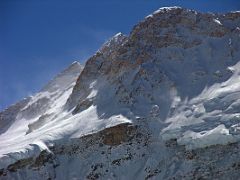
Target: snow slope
{"type": "Point", "coordinates": [32, 123]}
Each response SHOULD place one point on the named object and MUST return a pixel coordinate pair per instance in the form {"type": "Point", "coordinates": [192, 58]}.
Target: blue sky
{"type": "Point", "coordinates": [39, 38]}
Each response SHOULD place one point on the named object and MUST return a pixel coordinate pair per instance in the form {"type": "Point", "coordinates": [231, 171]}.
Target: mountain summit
{"type": "Point", "coordinates": [161, 103]}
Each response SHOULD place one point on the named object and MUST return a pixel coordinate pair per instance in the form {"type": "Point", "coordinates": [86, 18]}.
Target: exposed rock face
{"type": "Point", "coordinates": [117, 135]}
{"type": "Point", "coordinates": [100, 156]}
{"type": "Point", "coordinates": [95, 66]}
{"type": "Point", "coordinates": [157, 49]}
{"type": "Point", "coordinates": [161, 103]}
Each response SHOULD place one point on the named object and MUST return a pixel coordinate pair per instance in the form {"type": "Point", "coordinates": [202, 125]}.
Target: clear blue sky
{"type": "Point", "coordinates": [39, 38]}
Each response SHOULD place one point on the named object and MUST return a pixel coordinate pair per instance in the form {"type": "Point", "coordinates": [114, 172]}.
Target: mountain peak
{"type": "Point", "coordinates": [158, 103]}
{"type": "Point", "coordinates": [113, 42]}
{"type": "Point", "coordinates": [74, 66]}
{"type": "Point", "coordinates": [64, 78]}
{"type": "Point", "coordinates": [76, 63]}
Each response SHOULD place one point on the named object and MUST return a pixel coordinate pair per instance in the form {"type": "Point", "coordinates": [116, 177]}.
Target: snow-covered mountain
{"type": "Point", "coordinates": [161, 103]}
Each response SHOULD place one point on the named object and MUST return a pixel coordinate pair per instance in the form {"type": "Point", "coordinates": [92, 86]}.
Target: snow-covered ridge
{"type": "Point", "coordinates": [24, 128]}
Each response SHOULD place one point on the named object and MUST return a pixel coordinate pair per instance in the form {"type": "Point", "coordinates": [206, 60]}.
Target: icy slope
{"type": "Point", "coordinates": [32, 118]}
{"type": "Point", "coordinates": [156, 104]}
